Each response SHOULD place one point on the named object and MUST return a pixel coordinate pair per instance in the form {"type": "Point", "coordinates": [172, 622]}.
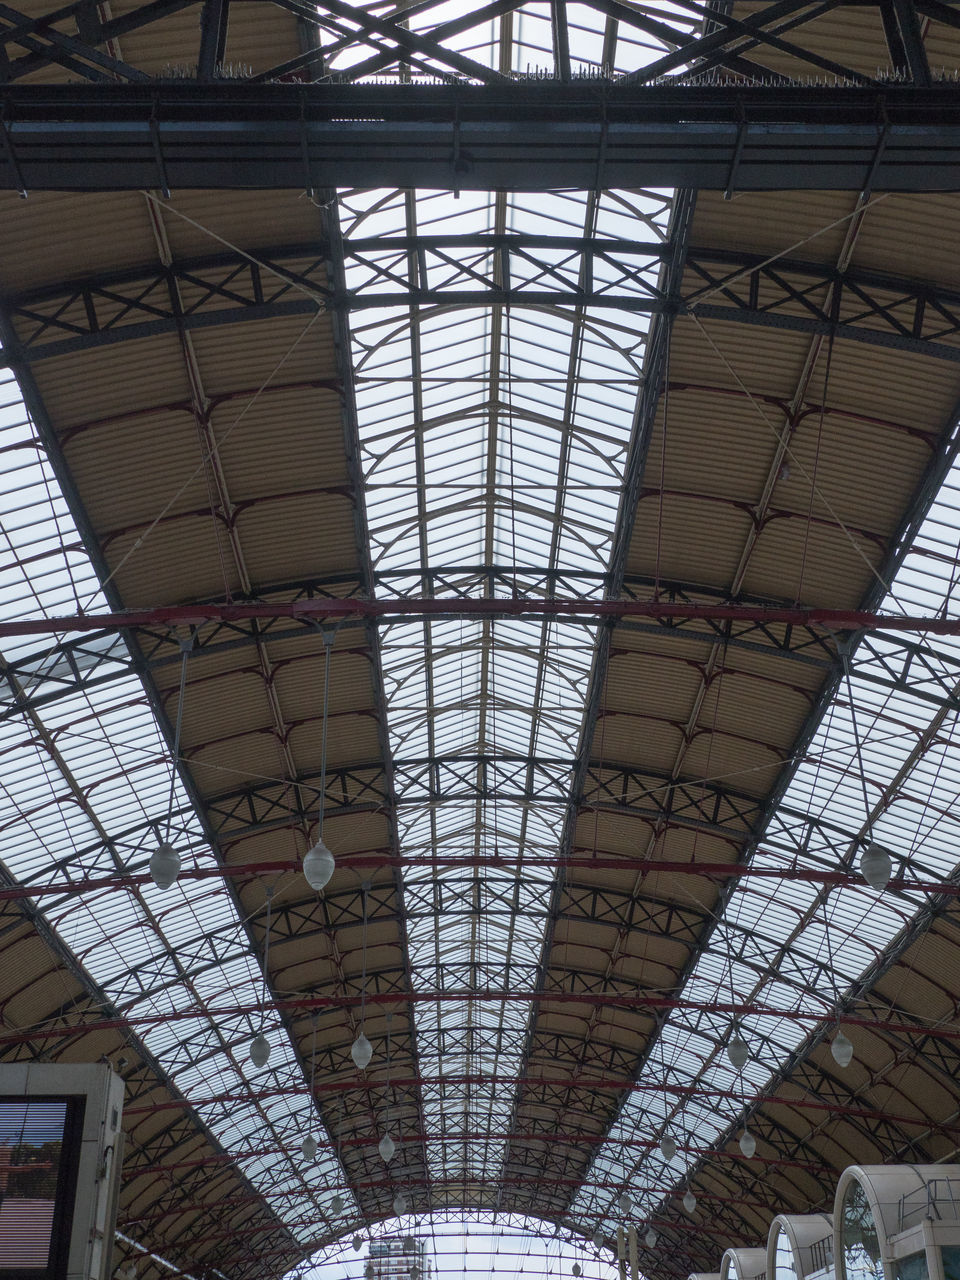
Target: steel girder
{"type": "Point", "coordinates": [891, 661]}
{"type": "Point", "coordinates": [733, 816]}
{"type": "Point", "coordinates": [77, 38]}
{"type": "Point", "coordinates": [469, 271]}
{"type": "Point", "coordinates": [522, 137]}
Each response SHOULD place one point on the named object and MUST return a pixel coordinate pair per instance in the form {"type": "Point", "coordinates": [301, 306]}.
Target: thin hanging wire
{"type": "Point", "coordinates": [508, 366]}
{"type": "Point", "coordinates": [313, 1060]}
{"type": "Point", "coordinates": [266, 958]}
{"type": "Point", "coordinates": [858, 749]}
{"type": "Point", "coordinates": [185, 647]}
{"type": "Point", "coordinates": [364, 890]}
{"type": "Point", "coordinates": [329, 634]}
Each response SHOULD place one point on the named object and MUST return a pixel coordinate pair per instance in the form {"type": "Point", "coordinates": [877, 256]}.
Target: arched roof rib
{"type": "Point", "coordinates": [289, 280]}
{"type": "Point", "coordinates": [472, 764]}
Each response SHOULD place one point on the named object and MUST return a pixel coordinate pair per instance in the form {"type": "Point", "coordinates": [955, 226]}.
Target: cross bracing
{"type": "Point", "coordinates": [787, 466]}
{"type": "Point", "coordinates": [536, 271]}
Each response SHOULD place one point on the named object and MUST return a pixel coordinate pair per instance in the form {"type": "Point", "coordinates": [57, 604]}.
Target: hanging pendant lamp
{"type": "Point", "coordinates": [387, 1147]}
{"type": "Point", "coordinates": [357, 1243]}
{"type": "Point", "coordinates": [625, 1202]}
{"type": "Point", "coordinates": [577, 1269]}
{"type": "Point", "coordinates": [689, 1202]}
{"type": "Point", "coordinates": [309, 1146]}
{"type": "Point", "coordinates": [336, 1205]}
{"type": "Point", "coordinates": [260, 1045]}
{"type": "Point", "coordinates": [319, 863]}
{"type": "Point", "coordinates": [368, 1271]}
{"type": "Point", "coordinates": [598, 1240]}
{"type": "Point", "coordinates": [164, 865]}
{"type": "Point", "coordinates": [361, 1051]}
{"type": "Point", "coordinates": [399, 1204]}
{"type": "Point", "coordinates": [876, 866]}
{"type": "Point", "coordinates": [668, 1148]}
{"type": "Point", "coordinates": [164, 862]}
{"type": "Point", "coordinates": [738, 1051]}
{"type": "Point", "coordinates": [318, 866]}
{"type": "Point", "coordinates": [748, 1144]}
{"type": "Point", "coordinates": [650, 1239]}
{"type": "Point", "coordinates": [841, 1049]}
{"type": "Point", "coordinates": [259, 1050]}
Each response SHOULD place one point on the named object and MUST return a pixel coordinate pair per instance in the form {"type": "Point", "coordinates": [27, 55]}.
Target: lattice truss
{"type": "Point", "coordinates": [572, 856]}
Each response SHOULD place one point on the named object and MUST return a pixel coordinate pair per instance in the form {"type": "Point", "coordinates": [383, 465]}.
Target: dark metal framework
{"type": "Point", "coordinates": [722, 106]}
{"type": "Point", "coordinates": [468, 271]}
{"type": "Point", "coordinates": [481, 137]}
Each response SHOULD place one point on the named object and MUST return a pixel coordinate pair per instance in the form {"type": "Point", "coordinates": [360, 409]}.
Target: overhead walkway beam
{"type": "Point", "coordinates": [520, 135]}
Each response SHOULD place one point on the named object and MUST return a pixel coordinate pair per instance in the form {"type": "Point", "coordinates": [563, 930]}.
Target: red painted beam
{"type": "Point", "coordinates": [588, 1083]}
{"type": "Point", "coordinates": [480, 607]}
{"type": "Point", "coordinates": [272, 1197]}
{"type": "Point", "coordinates": [584, 863]}
{"type": "Point", "coordinates": [305, 1004]}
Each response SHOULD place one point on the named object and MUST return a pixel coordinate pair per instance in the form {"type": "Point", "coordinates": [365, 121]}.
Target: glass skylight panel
{"type": "Point", "coordinates": [479, 448]}
{"type": "Point", "coordinates": [838, 931]}
{"type": "Point", "coordinates": [86, 793]}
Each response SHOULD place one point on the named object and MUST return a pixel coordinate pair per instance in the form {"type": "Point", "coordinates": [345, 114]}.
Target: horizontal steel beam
{"type": "Point", "coordinates": [647, 1001]}
{"type": "Point", "coordinates": [493, 862]}
{"type": "Point", "coordinates": [528, 135]}
{"type": "Point", "coordinates": [517, 270]}
{"type": "Point", "coordinates": [291, 279]}
{"type": "Point", "coordinates": [319, 610]}
{"type": "Point", "coordinates": [584, 1084]}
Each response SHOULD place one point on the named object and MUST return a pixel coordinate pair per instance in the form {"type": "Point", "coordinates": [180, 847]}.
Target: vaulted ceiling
{"type": "Point", "coordinates": [575, 851]}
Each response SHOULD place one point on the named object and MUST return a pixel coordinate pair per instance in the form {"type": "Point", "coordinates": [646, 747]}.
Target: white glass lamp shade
{"type": "Point", "coordinates": [598, 1240]}
{"type": "Point", "coordinates": [336, 1204]}
{"type": "Point", "coordinates": [164, 865]}
{"type": "Point", "coordinates": [748, 1144]}
{"type": "Point", "coordinates": [357, 1243]}
{"type": "Point", "coordinates": [689, 1202]}
{"type": "Point", "coordinates": [577, 1269]}
{"type": "Point", "coordinates": [668, 1148]}
{"type": "Point", "coordinates": [318, 866]}
{"type": "Point", "coordinates": [738, 1052]}
{"type": "Point", "coordinates": [399, 1204]}
{"type": "Point", "coordinates": [361, 1051]}
{"type": "Point", "coordinates": [260, 1050]}
{"type": "Point", "coordinates": [650, 1239]}
{"type": "Point", "coordinates": [386, 1147]}
{"type": "Point", "coordinates": [625, 1202]}
{"type": "Point", "coordinates": [875, 866]}
{"type": "Point", "coordinates": [309, 1147]}
{"type": "Point", "coordinates": [368, 1271]}
{"type": "Point", "coordinates": [842, 1050]}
